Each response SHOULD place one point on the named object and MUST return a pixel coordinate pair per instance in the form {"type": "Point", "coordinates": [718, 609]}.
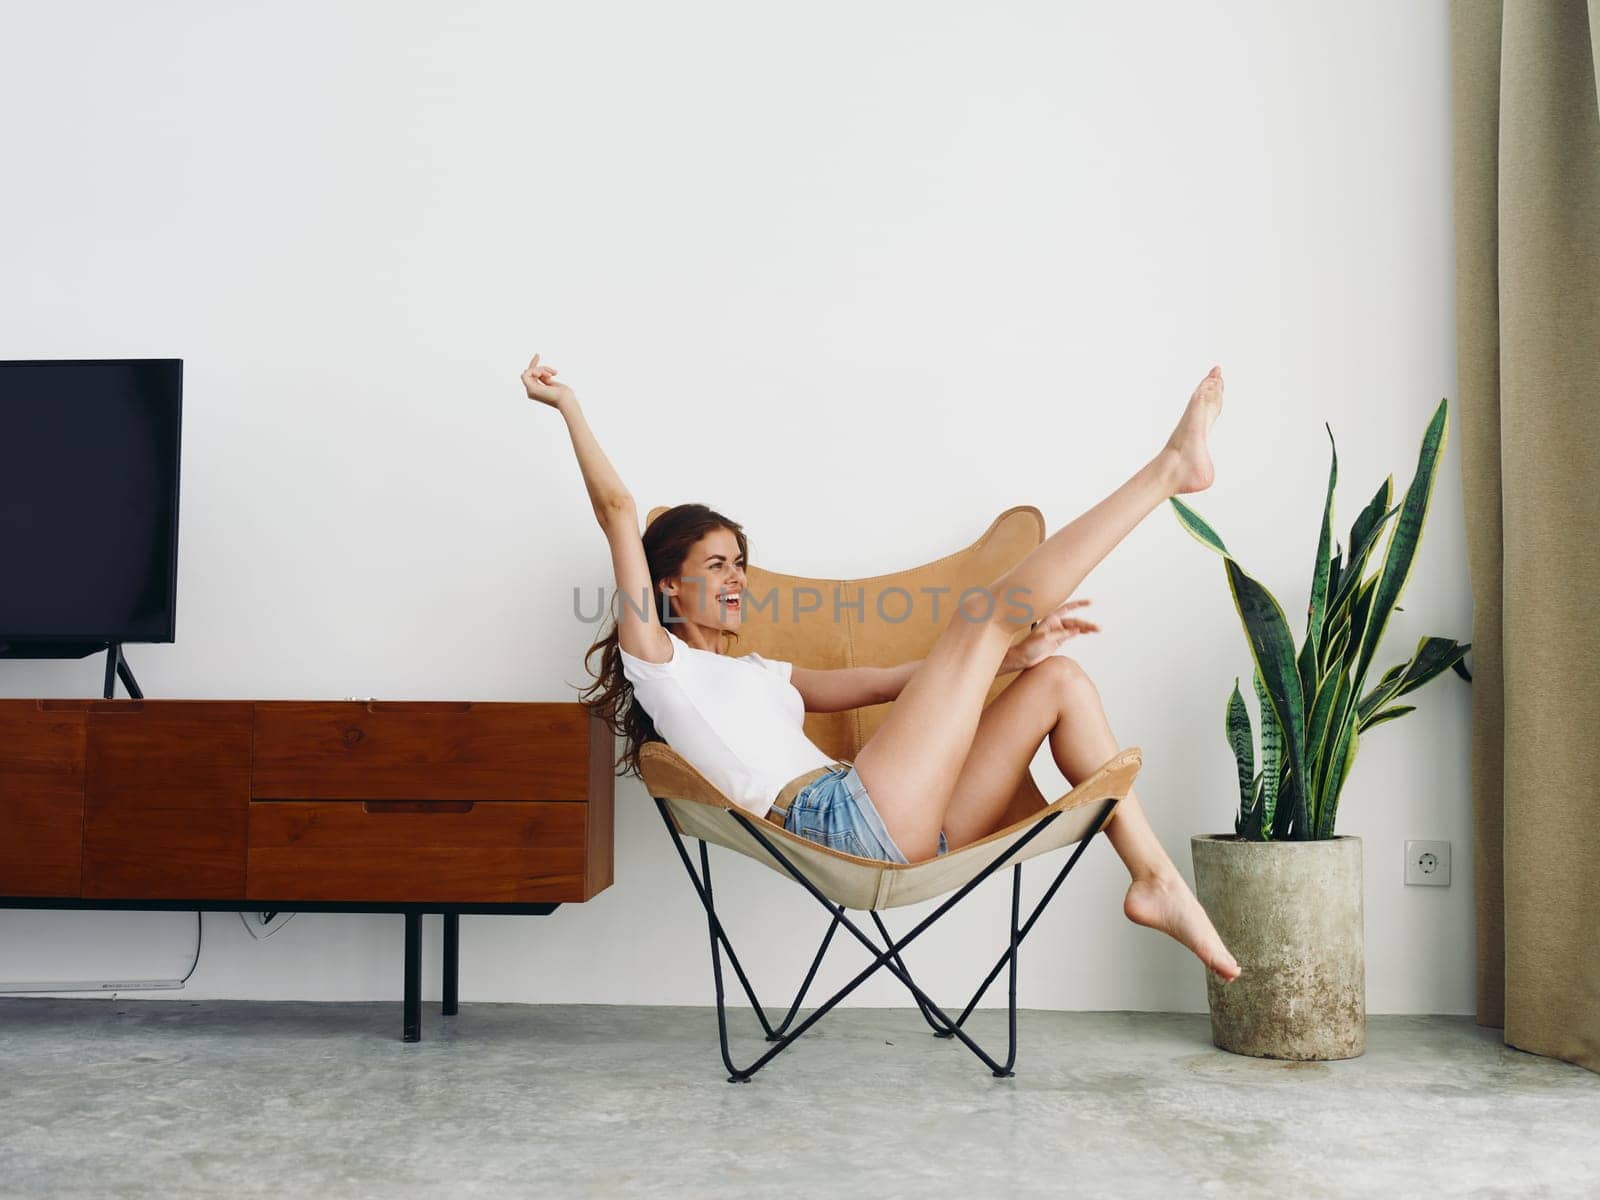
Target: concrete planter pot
{"type": "Point", "coordinates": [1291, 914]}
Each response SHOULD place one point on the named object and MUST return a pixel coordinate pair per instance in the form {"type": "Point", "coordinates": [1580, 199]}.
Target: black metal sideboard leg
{"type": "Point", "coordinates": [413, 999]}
{"type": "Point", "coordinates": [452, 959]}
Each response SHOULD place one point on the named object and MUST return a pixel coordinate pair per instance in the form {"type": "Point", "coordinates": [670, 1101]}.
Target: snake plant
{"type": "Point", "coordinates": [1313, 707]}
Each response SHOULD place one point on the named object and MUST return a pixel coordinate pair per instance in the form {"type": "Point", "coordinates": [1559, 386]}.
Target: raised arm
{"type": "Point", "coordinates": [638, 629]}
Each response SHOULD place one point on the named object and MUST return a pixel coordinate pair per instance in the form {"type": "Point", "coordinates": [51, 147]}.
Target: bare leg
{"type": "Point", "coordinates": [910, 764]}
{"type": "Point", "coordinates": [1056, 698]}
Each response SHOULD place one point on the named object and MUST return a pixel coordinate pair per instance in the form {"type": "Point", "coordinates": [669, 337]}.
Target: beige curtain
{"type": "Point", "coordinates": [1527, 213]}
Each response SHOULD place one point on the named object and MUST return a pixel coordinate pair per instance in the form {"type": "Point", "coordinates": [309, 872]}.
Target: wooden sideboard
{"type": "Point", "coordinates": [307, 805]}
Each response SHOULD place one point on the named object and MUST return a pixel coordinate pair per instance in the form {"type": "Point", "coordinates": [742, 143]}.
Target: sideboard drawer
{"type": "Point", "coordinates": [417, 850]}
{"type": "Point", "coordinates": [422, 750]}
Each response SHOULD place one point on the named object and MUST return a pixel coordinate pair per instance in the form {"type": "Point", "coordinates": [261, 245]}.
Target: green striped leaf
{"type": "Point", "coordinates": [1350, 580]}
{"type": "Point", "coordinates": [1393, 674]}
{"type": "Point", "coordinates": [1321, 721]}
{"type": "Point", "coordinates": [1309, 668]}
{"type": "Point", "coordinates": [1272, 648]}
{"type": "Point", "coordinates": [1387, 714]}
{"type": "Point", "coordinates": [1271, 755]}
{"type": "Point", "coordinates": [1433, 656]}
{"type": "Point", "coordinates": [1237, 724]}
{"type": "Point", "coordinates": [1319, 573]}
{"type": "Point", "coordinates": [1196, 524]}
{"type": "Point", "coordinates": [1333, 653]}
{"type": "Point", "coordinates": [1360, 609]}
{"type": "Point", "coordinates": [1248, 823]}
{"type": "Point", "coordinates": [1323, 755]}
{"type": "Point", "coordinates": [1343, 756]}
{"type": "Point", "coordinates": [1404, 539]}
{"type": "Point", "coordinates": [1287, 826]}
{"type": "Point", "coordinates": [1363, 532]}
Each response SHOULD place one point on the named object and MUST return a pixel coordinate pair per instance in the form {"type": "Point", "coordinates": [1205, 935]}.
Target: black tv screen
{"type": "Point", "coordinates": [89, 458]}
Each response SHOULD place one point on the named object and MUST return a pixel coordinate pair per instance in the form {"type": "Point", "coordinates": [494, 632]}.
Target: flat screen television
{"type": "Point", "coordinates": [89, 458]}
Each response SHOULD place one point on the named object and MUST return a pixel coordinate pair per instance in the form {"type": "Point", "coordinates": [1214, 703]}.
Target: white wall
{"type": "Point", "coordinates": [919, 261]}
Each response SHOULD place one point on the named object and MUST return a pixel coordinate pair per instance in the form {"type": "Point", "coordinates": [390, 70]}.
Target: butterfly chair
{"type": "Point", "coordinates": [881, 620]}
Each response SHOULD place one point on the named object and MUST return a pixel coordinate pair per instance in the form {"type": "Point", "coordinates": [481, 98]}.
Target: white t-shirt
{"type": "Point", "coordinates": [737, 720]}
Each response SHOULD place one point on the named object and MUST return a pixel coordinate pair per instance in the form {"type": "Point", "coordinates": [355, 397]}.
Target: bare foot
{"type": "Point", "coordinates": [1167, 904]}
{"type": "Point", "coordinates": [1186, 448]}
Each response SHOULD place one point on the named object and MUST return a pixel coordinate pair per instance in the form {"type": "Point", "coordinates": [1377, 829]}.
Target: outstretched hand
{"type": "Point", "coordinates": [1048, 633]}
{"type": "Point", "coordinates": [540, 381]}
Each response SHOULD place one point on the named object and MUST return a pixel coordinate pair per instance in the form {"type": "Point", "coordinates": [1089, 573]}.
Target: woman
{"type": "Point", "coordinates": [942, 768]}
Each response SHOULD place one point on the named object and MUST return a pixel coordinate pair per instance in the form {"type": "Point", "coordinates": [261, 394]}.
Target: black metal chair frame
{"type": "Point", "coordinates": [887, 956]}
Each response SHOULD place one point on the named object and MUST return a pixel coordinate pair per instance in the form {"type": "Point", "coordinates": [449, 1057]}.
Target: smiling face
{"type": "Point", "coordinates": [709, 590]}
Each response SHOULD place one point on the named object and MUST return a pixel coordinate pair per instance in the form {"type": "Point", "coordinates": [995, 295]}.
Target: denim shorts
{"type": "Point", "coordinates": [835, 811]}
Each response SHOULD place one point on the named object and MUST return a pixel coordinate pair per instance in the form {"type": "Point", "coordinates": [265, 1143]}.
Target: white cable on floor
{"type": "Point", "coordinates": [117, 985]}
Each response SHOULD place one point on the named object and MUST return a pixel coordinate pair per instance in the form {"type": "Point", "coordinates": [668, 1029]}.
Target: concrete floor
{"type": "Point", "coordinates": [146, 1098]}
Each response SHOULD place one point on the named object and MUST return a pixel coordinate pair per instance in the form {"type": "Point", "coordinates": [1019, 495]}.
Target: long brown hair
{"type": "Point", "coordinates": [667, 542]}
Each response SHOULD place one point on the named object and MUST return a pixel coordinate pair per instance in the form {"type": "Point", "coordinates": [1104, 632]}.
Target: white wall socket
{"type": "Point", "coordinates": [1428, 863]}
